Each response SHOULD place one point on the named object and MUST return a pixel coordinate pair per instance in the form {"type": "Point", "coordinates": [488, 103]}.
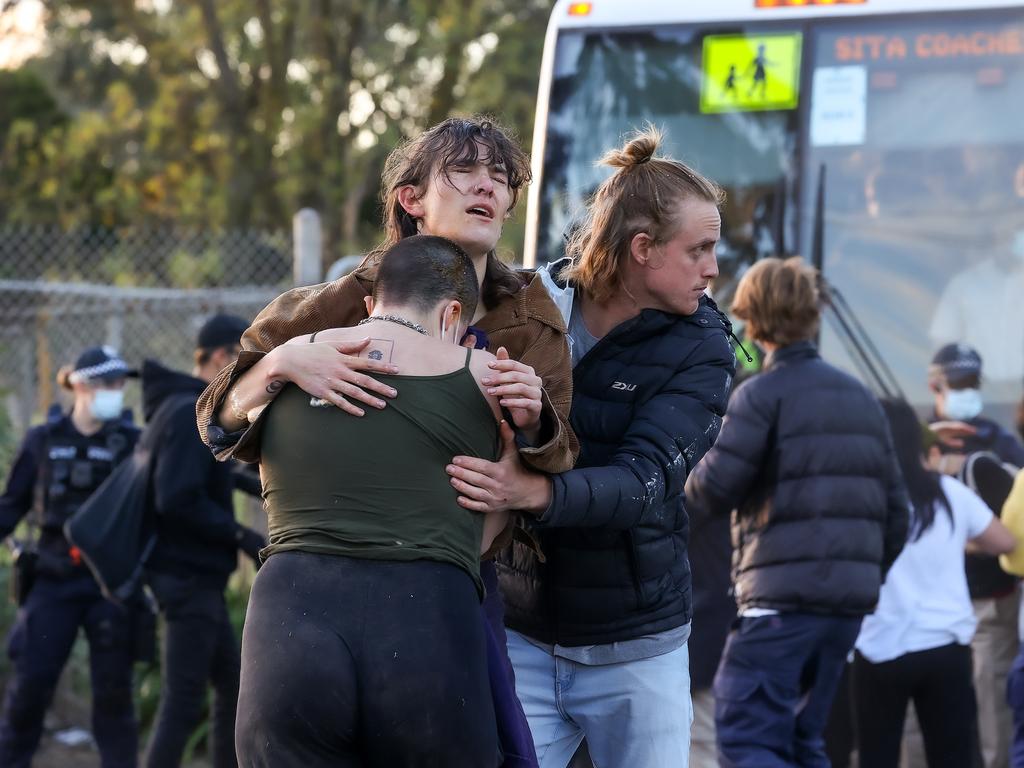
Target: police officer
{"type": "Point", "coordinates": [198, 541]}
{"type": "Point", "coordinates": [59, 465]}
{"type": "Point", "coordinates": [954, 378]}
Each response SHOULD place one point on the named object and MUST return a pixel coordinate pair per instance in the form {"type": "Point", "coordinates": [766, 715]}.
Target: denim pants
{"type": "Point", "coordinates": [636, 714]}
{"type": "Point", "coordinates": [774, 689]}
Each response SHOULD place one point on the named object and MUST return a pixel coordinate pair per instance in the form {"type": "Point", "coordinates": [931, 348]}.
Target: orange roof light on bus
{"type": "Point", "coordinates": [799, 3]}
{"type": "Point", "coordinates": [581, 9]}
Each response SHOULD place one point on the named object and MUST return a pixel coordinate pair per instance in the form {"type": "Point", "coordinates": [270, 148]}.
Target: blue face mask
{"type": "Point", "coordinates": [107, 404]}
{"type": "Point", "coordinates": [962, 404]}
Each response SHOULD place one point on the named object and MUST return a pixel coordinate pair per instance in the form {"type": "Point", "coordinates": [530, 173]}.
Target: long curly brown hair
{"type": "Point", "coordinates": [453, 142]}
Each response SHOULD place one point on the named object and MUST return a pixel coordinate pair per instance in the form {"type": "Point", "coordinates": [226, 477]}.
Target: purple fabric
{"type": "Point", "coordinates": [513, 729]}
{"type": "Point", "coordinates": [480, 339]}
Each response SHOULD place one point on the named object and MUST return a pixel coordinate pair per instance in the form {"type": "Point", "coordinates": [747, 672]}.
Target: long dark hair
{"type": "Point", "coordinates": [923, 485]}
{"type": "Point", "coordinates": [454, 141]}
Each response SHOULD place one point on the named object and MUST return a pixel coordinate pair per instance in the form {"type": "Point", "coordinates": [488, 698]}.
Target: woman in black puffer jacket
{"type": "Point", "coordinates": [806, 465]}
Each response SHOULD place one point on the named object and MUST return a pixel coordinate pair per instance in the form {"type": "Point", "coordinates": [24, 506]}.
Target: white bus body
{"type": "Point", "coordinates": [915, 109]}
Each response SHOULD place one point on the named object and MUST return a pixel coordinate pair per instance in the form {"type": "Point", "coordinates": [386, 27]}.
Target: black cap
{"type": "Point", "coordinates": [958, 364]}
{"type": "Point", "coordinates": [221, 331]}
{"type": "Point", "coordinates": [100, 364]}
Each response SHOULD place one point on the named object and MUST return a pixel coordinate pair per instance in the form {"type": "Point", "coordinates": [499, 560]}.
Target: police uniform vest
{"type": "Point", "coordinates": [71, 466]}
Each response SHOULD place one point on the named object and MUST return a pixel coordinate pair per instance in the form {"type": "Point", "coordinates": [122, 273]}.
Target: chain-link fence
{"type": "Point", "coordinates": [145, 292]}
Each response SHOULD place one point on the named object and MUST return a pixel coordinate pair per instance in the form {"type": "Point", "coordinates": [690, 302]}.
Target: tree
{"type": "Point", "coordinates": [237, 112]}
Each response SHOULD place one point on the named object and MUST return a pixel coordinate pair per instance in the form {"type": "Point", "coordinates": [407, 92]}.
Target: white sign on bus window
{"type": "Point", "coordinates": [839, 106]}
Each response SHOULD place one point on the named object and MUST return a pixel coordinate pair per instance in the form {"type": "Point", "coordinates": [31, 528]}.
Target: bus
{"type": "Point", "coordinates": [913, 108]}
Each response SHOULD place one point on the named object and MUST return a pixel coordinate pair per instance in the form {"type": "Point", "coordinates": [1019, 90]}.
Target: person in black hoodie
{"type": "Point", "coordinates": [196, 550]}
{"type": "Point", "coordinates": [805, 465]}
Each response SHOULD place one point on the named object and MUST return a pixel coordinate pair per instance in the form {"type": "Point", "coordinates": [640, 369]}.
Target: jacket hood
{"type": "Point", "coordinates": [160, 383]}
{"type": "Point", "coordinates": [563, 292]}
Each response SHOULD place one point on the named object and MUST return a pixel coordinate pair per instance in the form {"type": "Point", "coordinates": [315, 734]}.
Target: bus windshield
{"type": "Point", "coordinates": [607, 84]}
{"type": "Point", "coordinates": [925, 189]}
{"type": "Point", "coordinates": [918, 120]}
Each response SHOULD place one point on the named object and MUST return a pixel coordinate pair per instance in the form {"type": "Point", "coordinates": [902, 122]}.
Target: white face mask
{"type": "Point", "coordinates": [962, 404]}
{"type": "Point", "coordinates": [107, 404]}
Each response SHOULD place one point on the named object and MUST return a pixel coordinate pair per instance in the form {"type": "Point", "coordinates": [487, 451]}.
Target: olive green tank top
{"type": "Point", "coordinates": [375, 486]}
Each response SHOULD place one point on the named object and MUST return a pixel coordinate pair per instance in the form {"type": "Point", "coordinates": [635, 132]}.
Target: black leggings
{"type": "Point", "coordinates": [939, 683]}
{"type": "Point", "coordinates": [350, 662]}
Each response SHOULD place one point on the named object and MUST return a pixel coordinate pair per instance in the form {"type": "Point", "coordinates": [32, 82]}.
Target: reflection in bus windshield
{"type": "Point", "coordinates": [917, 120]}
{"type": "Point", "coordinates": [923, 199]}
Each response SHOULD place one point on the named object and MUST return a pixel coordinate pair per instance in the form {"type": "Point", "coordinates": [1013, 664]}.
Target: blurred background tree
{"type": "Point", "coordinates": [235, 113]}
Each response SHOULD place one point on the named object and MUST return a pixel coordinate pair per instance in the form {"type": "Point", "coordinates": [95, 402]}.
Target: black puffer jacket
{"type": "Point", "coordinates": [647, 404]}
{"type": "Point", "coordinates": [805, 459]}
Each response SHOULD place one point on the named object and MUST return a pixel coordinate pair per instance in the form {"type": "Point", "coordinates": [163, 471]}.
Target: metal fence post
{"type": "Point", "coordinates": [115, 328]}
{"type": "Point", "coordinates": [307, 247]}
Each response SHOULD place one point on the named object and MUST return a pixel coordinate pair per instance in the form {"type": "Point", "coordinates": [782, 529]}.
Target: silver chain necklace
{"type": "Point", "coordinates": [396, 319]}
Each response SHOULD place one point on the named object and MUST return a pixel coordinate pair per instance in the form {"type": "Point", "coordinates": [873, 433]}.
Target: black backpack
{"type": "Point", "coordinates": [114, 528]}
{"type": "Point", "coordinates": [985, 474]}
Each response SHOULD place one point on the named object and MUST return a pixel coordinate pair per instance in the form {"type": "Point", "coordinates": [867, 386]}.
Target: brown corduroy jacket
{"type": "Point", "coordinates": [527, 324]}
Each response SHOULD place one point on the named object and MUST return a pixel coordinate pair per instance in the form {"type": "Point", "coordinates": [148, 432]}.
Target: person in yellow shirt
{"type": "Point", "coordinates": [1013, 518]}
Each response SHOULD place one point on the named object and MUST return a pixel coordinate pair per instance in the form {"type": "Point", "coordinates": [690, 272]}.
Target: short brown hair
{"type": "Point", "coordinates": [451, 143]}
{"type": "Point", "coordinates": [642, 195]}
{"type": "Point", "coordinates": [779, 301]}
{"type": "Point", "coordinates": [422, 270]}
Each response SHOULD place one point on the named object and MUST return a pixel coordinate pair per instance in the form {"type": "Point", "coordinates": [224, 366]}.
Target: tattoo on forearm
{"type": "Point", "coordinates": [274, 387]}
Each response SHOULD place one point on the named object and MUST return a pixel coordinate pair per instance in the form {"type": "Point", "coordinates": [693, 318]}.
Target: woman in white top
{"type": "Point", "coordinates": [916, 645]}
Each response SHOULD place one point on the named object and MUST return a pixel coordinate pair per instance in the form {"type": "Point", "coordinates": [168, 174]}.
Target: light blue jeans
{"type": "Point", "coordinates": [636, 714]}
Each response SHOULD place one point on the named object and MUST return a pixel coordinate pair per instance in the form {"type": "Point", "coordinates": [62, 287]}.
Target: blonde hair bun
{"type": "Point", "coordinates": [64, 376]}
{"type": "Point", "coordinates": [638, 150]}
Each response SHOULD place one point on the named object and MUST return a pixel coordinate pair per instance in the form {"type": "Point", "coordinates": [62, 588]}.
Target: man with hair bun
{"type": "Point", "coordinates": [806, 466]}
{"type": "Point", "coordinates": [599, 628]}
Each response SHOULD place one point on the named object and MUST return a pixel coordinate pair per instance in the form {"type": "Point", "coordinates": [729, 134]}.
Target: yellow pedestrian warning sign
{"type": "Point", "coordinates": [752, 73]}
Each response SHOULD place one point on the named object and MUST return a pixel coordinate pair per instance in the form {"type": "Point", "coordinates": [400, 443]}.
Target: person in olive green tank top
{"type": "Point", "coordinates": [375, 487]}
{"type": "Point", "coordinates": [364, 641]}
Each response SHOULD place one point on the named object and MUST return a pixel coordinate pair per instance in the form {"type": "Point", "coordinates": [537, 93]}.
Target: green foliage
{"type": "Point", "coordinates": [228, 113]}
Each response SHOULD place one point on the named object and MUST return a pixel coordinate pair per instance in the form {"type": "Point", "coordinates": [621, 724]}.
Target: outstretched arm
{"type": "Point", "coordinates": [669, 435]}
{"type": "Point", "coordinates": [17, 497]}
{"type": "Point", "coordinates": [721, 482]}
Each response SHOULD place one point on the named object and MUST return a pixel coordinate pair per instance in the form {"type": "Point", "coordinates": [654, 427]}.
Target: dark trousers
{"type": "Point", "coordinates": [199, 648]}
{"type": "Point", "coordinates": [39, 646]}
{"type": "Point", "coordinates": [1015, 698]}
{"type": "Point", "coordinates": [513, 727]}
{"type": "Point", "coordinates": [939, 683]}
{"type": "Point", "coordinates": [840, 735]}
{"type": "Point", "coordinates": [774, 689]}
{"type": "Point", "coordinates": [349, 662]}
